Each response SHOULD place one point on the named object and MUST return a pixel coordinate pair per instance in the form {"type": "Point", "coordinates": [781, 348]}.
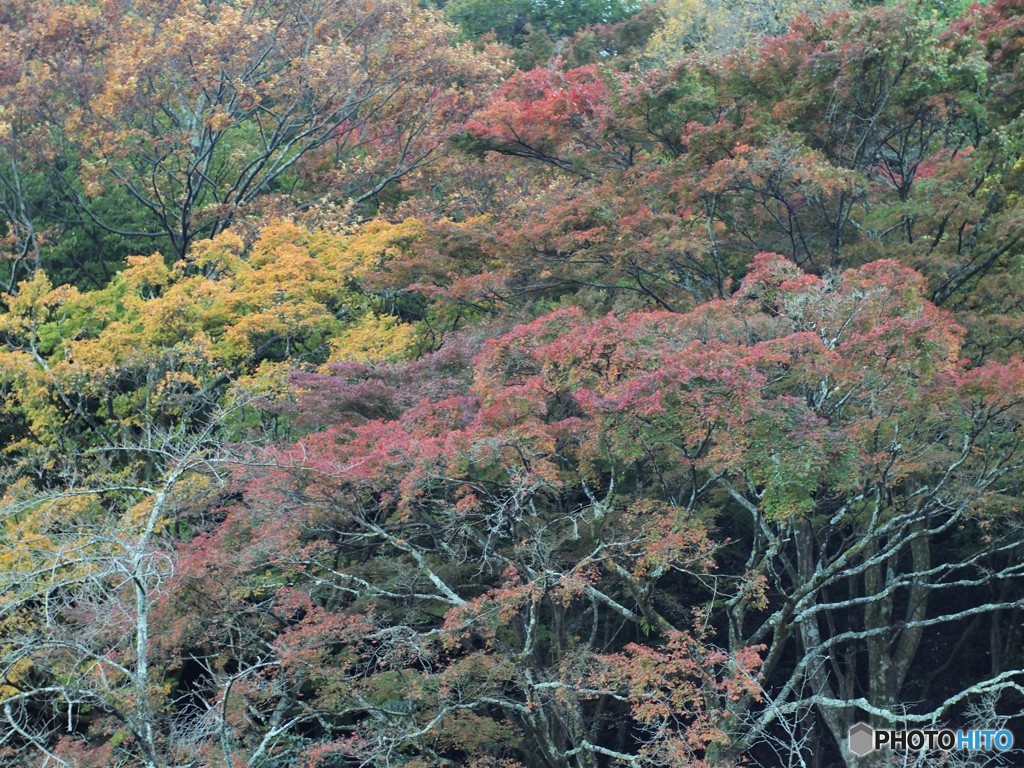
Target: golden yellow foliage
{"type": "Point", "coordinates": [375, 339]}
{"type": "Point", "coordinates": [158, 339]}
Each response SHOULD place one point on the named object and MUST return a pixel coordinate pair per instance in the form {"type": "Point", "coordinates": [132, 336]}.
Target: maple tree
{"type": "Point", "coordinates": [187, 113]}
{"type": "Point", "coordinates": [163, 345]}
{"type": "Point", "coordinates": [848, 134]}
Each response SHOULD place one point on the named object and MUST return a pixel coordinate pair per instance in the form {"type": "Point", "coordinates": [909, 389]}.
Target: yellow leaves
{"type": "Point", "coordinates": [286, 324]}
{"type": "Point", "coordinates": [33, 538]}
{"type": "Point", "coordinates": [28, 392]}
{"type": "Point", "coordinates": [119, 90]}
{"type": "Point", "coordinates": [88, 363]}
{"type": "Point", "coordinates": [175, 381]}
{"type": "Point", "coordinates": [219, 120]}
{"type": "Point", "coordinates": [19, 671]}
{"type": "Point", "coordinates": [269, 381]}
{"type": "Point", "coordinates": [374, 339]}
{"type": "Point", "coordinates": [159, 339]}
{"type": "Point", "coordinates": [91, 175]}
{"type": "Point", "coordinates": [137, 516]}
{"type": "Point", "coordinates": [684, 29]}
{"type": "Point", "coordinates": [379, 242]}
{"type": "Point", "coordinates": [286, 263]}
{"type": "Point", "coordinates": [221, 255]}
{"type": "Point", "coordinates": [30, 306]}
{"type": "Point", "coordinates": [176, 318]}
{"type": "Point", "coordinates": [281, 240]}
{"type": "Point", "coordinates": [145, 272]}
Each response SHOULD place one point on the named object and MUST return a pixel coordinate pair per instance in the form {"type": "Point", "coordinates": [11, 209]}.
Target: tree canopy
{"type": "Point", "coordinates": [532, 385]}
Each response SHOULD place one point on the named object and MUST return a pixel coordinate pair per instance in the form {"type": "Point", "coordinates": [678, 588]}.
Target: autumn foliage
{"type": "Point", "coordinates": [587, 385]}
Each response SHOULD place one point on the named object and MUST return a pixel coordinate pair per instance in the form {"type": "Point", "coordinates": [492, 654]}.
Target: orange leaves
{"type": "Point", "coordinates": [683, 691]}
{"type": "Point", "coordinates": [195, 110]}
{"type": "Point", "coordinates": [674, 539]}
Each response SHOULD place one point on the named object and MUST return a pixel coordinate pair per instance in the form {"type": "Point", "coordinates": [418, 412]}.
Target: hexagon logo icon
{"type": "Point", "coordinates": [861, 739]}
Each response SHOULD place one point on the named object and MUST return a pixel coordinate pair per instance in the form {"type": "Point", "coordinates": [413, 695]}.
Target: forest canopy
{"type": "Point", "coordinates": [509, 385]}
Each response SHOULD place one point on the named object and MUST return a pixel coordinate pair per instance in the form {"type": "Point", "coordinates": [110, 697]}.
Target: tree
{"type": "Point", "coordinates": [723, 25]}
{"type": "Point", "coordinates": [192, 112]}
{"type": "Point", "coordinates": [615, 443]}
{"type": "Point", "coordinates": [84, 574]}
{"type": "Point", "coordinates": [512, 21]}
{"type": "Point", "coordinates": [164, 345]}
{"type": "Point", "coordinates": [442, 573]}
{"type": "Point", "coordinates": [847, 134]}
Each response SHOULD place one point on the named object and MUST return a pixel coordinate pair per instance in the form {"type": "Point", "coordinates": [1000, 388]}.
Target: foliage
{"type": "Point", "coordinates": [190, 112]}
{"type": "Point", "coordinates": [849, 136]}
{"type": "Point", "coordinates": [512, 20]}
{"type": "Point", "coordinates": [159, 346]}
{"type": "Point", "coordinates": [659, 412]}
{"type": "Point", "coordinates": [719, 26]}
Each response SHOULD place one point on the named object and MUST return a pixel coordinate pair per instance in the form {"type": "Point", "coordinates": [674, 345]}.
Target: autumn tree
{"type": "Point", "coordinates": [654, 540]}
{"type": "Point", "coordinates": [722, 25]}
{"type": "Point", "coordinates": [84, 572]}
{"type": "Point", "coordinates": [163, 346]}
{"type": "Point", "coordinates": [188, 113]}
{"type": "Point", "coordinates": [124, 410]}
{"type": "Point", "coordinates": [850, 133]}
{"type": "Point", "coordinates": [612, 440]}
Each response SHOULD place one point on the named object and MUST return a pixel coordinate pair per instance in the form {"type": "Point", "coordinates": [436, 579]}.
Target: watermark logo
{"type": "Point", "coordinates": [862, 739]}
